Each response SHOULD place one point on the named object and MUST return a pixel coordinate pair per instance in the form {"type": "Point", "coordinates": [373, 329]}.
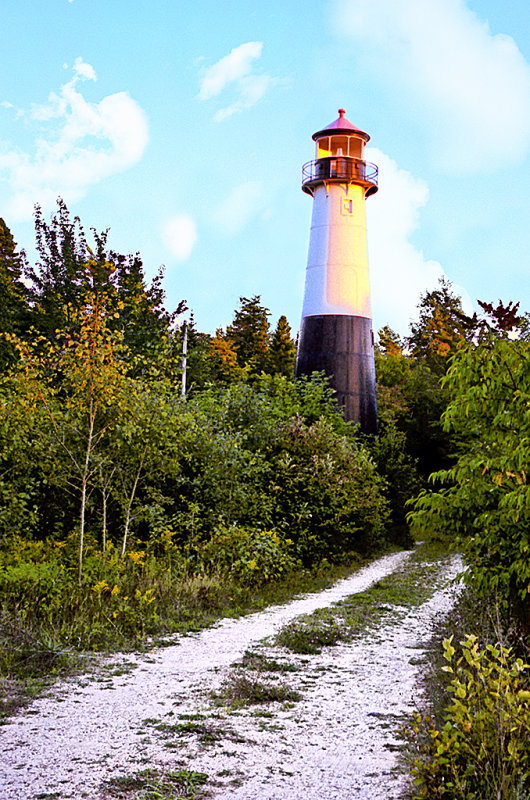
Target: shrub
{"type": "Point", "coordinates": [251, 556]}
{"type": "Point", "coordinates": [482, 751]}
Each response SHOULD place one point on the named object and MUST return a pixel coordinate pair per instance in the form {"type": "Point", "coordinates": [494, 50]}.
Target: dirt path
{"type": "Point", "coordinates": [336, 743]}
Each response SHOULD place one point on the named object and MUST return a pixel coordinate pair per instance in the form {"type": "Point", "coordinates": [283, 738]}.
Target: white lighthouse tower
{"type": "Point", "coordinates": [336, 331]}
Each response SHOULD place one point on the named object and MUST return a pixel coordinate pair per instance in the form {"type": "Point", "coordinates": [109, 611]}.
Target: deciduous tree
{"type": "Point", "coordinates": [485, 497]}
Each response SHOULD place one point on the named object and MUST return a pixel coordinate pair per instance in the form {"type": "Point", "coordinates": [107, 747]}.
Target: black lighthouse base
{"type": "Point", "coordinates": [343, 348]}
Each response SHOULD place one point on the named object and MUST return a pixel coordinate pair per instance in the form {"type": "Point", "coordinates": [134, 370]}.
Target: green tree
{"type": "Point", "coordinates": [145, 448]}
{"type": "Point", "coordinates": [282, 350]}
{"type": "Point", "coordinates": [249, 332]}
{"type": "Point", "coordinates": [411, 399]}
{"type": "Point", "coordinates": [441, 329]}
{"type": "Point", "coordinates": [69, 271]}
{"type": "Point", "coordinates": [14, 310]}
{"type": "Point", "coordinates": [484, 498]}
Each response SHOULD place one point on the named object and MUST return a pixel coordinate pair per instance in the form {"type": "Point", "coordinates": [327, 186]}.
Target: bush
{"type": "Point", "coordinates": [482, 751]}
{"type": "Point", "coordinates": [251, 556]}
{"type": "Point", "coordinates": [485, 497]}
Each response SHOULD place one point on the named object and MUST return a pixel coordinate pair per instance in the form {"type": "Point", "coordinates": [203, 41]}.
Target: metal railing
{"type": "Point", "coordinates": [340, 168]}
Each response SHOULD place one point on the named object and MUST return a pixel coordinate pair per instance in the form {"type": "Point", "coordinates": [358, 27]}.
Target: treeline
{"type": "Point", "coordinates": [123, 503]}
{"type": "Point", "coordinates": [105, 468]}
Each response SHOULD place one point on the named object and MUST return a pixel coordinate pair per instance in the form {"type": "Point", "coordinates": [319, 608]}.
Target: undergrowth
{"type": "Point", "coordinates": [48, 622]}
{"type": "Point", "coordinates": [471, 741]}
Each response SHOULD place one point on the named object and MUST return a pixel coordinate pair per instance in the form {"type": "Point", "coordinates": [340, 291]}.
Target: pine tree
{"type": "Point", "coordinates": [250, 334]}
{"type": "Point", "coordinates": [14, 308]}
{"type": "Point", "coordinates": [442, 327]}
{"type": "Point", "coordinates": [282, 351]}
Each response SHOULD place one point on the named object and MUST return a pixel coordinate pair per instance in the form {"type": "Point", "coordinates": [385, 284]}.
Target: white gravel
{"type": "Point", "coordinates": [336, 743]}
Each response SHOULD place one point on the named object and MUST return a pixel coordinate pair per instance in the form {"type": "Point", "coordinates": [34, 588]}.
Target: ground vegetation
{"type": "Point", "coordinates": [136, 500]}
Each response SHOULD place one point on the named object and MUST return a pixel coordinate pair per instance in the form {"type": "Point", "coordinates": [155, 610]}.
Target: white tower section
{"type": "Point", "coordinates": [337, 266]}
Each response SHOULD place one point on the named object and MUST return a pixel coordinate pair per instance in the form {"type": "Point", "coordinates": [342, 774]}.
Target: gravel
{"type": "Point", "coordinates": [339, 741]}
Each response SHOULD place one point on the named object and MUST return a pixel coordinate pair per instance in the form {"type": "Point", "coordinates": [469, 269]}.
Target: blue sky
{"type": "Point", "coordinates": [183, 125]}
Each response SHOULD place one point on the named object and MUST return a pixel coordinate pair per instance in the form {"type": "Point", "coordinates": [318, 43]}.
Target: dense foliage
{"type": "Point", "coordinates": [483, 498]}
{"type": "Point", "coordinates": [481, 749]}
{"type": "Point", "coordinates": [110, 477]}
{"type": "Point", "coordinates": [117, 493]}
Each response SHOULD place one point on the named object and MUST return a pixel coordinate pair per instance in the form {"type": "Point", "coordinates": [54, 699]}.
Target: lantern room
{"type": "Point", "coordinates": [340, 157]}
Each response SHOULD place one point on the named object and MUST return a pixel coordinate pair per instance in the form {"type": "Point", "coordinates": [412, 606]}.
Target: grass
{"type": "Point", "coordinates": [150, 784]}
{"type": "Point", "coordinates": [35, 650]}
{"type": "Point", "coordinates": [260, 663]}
{"type": "Point", "coordinates": [409, 586]}
{"type": "Point", "coordinates": [241, 689]}
{"type": "Point", "coordinates": [205, 730]}
{"type": "Point", "coordinates": [30, 661]}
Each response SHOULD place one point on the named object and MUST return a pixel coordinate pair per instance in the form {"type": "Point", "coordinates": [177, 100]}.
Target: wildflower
{"type": "Point", "coordinates": [137, 556]}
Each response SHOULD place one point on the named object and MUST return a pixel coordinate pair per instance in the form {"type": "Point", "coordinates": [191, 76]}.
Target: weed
{"type": "Point", "coordinates": [261, 663]}
{"type": "Point", "coordinates": [207, 732]}
{"type": "Point", "coordinates": [240, 690]}
{"type": "Point", "coordinates": [308, 635]}
{"type": "Point", "coordinates": [152, 784]}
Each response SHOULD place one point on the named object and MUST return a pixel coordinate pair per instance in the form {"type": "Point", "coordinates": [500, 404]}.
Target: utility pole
{"type": "Point", "coordinates": [184, 356]}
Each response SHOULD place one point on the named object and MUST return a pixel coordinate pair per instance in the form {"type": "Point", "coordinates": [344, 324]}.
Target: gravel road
{"type": "Point", "coordinates": [339, 742]}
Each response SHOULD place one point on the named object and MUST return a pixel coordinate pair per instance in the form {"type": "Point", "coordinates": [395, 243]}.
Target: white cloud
{"type": "Point", "coordinates": [239, 207]}
{"type": "Point", "coordinates": [399, 272]}
{"type": "Point", "coordinates": [252, 89]}
{"type": "Point", "coordinates": [180, 235]}
{"type": "Point", "coordinates": [474, 86]}
{"type": "Point", "coordinates": [228, 69]}
{"type": "Point", "coordinates": [236, 68]}
{"type": "Point", "coordinates": [79, 143]}
{"type": "Point", "coordinates": [84, 70]}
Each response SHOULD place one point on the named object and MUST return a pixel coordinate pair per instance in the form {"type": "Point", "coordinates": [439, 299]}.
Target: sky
{"type": "Point", "coordinates": [182, 126]}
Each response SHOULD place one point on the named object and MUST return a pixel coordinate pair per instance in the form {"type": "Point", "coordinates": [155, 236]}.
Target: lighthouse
{"type": "Point", "coordinates": [336, 330]}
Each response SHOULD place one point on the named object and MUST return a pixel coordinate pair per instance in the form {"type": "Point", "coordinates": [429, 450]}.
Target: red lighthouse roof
{"type": "Point", "coordinates": [341, 125]}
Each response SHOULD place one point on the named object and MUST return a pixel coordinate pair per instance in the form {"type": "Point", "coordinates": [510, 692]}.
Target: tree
{"type": "Point", "coordinates": [144, 447]}
{"type": "Point", "coordinates": [73, 389]}
{"type": "Point", "coordinates": [485, 497]}
{"type": "Point", "coordinates": [411, 399]}
{"type": "Point", "coordinates": [14, 310]}
{"type": "Point", "coordinates": [389, 342]}
{"type": "Point", "coordinates": [60, 281]}
{"type": "Point", "coordinates": [69, 271]}
{"type": "Point", "coordinates": [282, 350]}
{"type": "Point", "coordinates": [225, 364]}
{"type": "Point", "coordinates": [441, 329]}
{"type": "Point", "coordinates": [249, 332]}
